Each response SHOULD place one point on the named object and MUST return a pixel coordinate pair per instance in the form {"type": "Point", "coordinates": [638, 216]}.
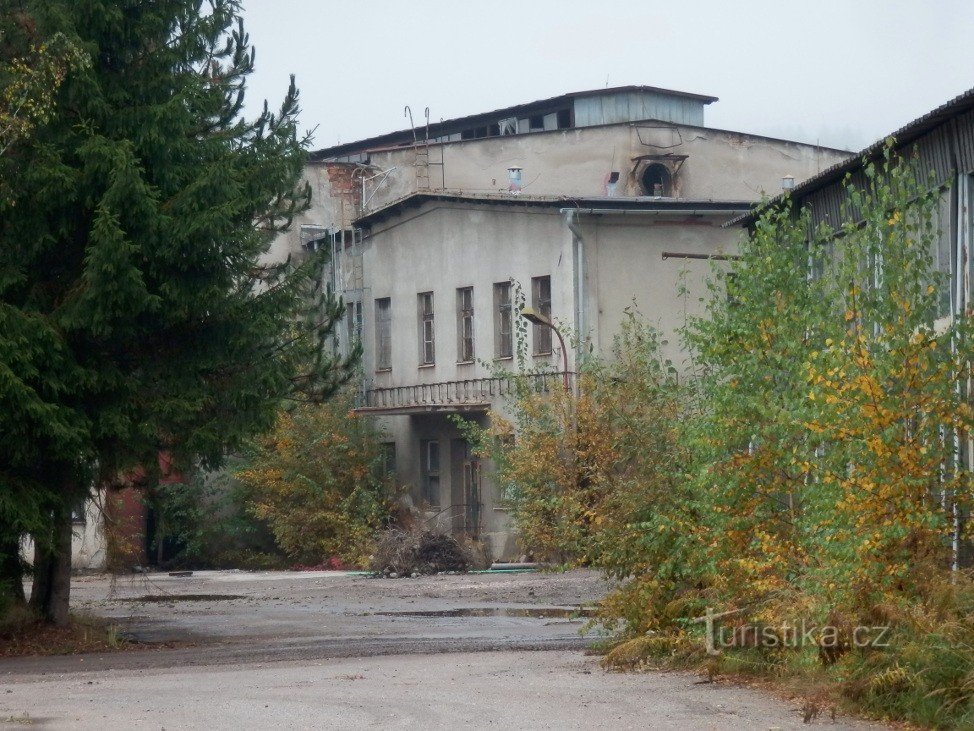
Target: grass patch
{"type": "Point", "coordinates": [23, 634]}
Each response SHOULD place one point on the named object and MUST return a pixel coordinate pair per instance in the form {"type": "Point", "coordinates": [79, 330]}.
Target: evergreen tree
{"type": "Point", "coordinates": [139, 310]}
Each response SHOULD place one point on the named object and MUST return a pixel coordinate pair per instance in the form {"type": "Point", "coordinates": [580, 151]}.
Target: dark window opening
{"type": "Point", "coordinates": [656, 180]}
{"type": "Point", "coordinates": [430, 469]}
{"type": "Point", "coordinates": [541, 302]}
{"type": "Point", "coordinates": [564, 118]}
{"type": "Point", "coordinates": [536, 123]}
{"type": "Point", "coordinates": [493, 130]}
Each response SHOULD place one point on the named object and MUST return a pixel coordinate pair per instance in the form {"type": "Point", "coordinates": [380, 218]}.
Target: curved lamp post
{"type": "Point", "coordinates": [536, 318]}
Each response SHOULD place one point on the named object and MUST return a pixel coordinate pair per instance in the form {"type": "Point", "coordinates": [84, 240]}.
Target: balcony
{"type": "Point", "coordinates": [454, 397]}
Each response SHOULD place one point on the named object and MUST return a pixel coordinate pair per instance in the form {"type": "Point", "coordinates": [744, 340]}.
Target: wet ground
{"type": "Point", "coordinates": [332, 650]}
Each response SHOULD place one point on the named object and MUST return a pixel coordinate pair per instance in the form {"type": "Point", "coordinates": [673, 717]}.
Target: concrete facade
{"type": "Point", "coordinates": [617, 211]}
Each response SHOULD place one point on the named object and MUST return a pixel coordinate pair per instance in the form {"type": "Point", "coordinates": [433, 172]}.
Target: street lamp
{"type": "Point", "coordinates": [536, 318]}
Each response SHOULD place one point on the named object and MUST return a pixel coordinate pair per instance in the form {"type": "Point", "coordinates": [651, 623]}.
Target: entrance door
{"type": "Point", "coordinates": [465, 489]}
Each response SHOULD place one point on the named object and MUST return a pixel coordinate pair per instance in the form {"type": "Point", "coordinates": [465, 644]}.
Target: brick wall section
{"type": "Point", "coordinates": [346, 185]}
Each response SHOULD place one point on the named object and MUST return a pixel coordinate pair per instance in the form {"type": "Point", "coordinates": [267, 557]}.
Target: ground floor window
{"type": "Point", "coordinates": [429, 450]}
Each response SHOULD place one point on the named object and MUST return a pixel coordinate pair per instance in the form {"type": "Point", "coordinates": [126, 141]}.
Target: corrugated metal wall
{"type": "Point", "coordinates": [944, 152]}
{"type": "Point", "coordinates": [636, 106]}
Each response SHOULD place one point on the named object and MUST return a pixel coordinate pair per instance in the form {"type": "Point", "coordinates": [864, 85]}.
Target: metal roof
{"type": "Point", "coordinates": [436, 128]}
{"type": "Point", "coordinates": [606, 204]}
{"type": "Point", "coordinates": [902, 137]}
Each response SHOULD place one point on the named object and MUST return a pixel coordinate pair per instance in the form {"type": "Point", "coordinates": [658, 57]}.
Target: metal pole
{"type": "Point", "coordinates": [564, 355]}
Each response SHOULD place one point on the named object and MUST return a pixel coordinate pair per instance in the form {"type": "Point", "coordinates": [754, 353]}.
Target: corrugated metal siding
{"type": "Point", "coordinates": [635, 106]}
{"type": "Point", "coordinates": [964, 135]}
{"type": "Point", "coordinates": [935, 155]}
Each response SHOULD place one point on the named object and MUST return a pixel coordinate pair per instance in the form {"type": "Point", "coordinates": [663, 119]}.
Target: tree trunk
{"type": "Point", "coordinates": [11, 572]}
{"type": "Point", "coordinates": [51, 590]}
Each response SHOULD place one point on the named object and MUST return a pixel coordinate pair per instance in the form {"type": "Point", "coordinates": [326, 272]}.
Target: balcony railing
{"type": "Point", "coordinates": [471, 392]}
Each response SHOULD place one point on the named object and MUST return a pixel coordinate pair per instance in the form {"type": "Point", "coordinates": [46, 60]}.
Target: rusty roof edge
{"type": "Point", "coordinates": [901, 138]}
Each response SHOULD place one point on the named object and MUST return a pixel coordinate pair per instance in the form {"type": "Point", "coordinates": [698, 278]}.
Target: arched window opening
{"type": "Point", "coordinates": [656, 180]}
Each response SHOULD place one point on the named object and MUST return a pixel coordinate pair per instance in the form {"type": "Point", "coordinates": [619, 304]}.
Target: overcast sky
{"type": "Point", "coordinates": [839, 72]}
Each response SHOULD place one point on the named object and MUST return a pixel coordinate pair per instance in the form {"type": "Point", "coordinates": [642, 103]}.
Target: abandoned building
{"type": "Point", "coordinates": [582, 205]}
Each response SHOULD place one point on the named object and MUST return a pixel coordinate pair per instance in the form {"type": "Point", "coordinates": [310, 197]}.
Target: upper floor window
{"type": "Point", "coordinates": [427, 347]}
{"type": "Point", "coordinates": [383, 334]}
{"type": "Point", "coordinates": [503, 322]}
{"type": "Point", "coordinates": [541, 303]}
{"type": "Point", "coordinates": [465, 352]}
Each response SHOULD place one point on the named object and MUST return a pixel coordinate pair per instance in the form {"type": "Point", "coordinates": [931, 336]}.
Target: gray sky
{"type": "Point", "coordinates": [838, 72]}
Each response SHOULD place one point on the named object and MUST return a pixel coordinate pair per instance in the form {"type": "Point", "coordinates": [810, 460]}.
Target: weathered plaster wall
{"type": "Point", "coordinates": [441, 247]}
{"type": "Point", "coordinates": [720, 165]}
{"type": "Point", "coordinates": [624, 267]}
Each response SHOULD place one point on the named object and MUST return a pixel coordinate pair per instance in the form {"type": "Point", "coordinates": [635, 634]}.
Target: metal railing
{"type": "Point", "coordinates": [459, 393]}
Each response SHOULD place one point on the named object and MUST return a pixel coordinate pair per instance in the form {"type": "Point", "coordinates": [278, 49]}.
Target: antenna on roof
{"type": "Point", "coordinates": [606, 81]}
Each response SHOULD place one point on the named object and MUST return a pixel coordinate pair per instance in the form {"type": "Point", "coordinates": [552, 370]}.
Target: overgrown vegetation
{"type": "Point", "coordinates": [316, 480]}
{"type": "Point", "coordinates": [812, 471]}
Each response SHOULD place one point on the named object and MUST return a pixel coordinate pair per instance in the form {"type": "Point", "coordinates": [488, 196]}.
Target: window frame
{"type": "Point", "coordinates": [429, 472]}
{"type": "Point", "coordinates": [427, 328]}
{"type": "Point", "coordinates": [541, 335]}
{"type": "Point", "coordinates": [466, 346]}
{"type": "Point", "coordinates": [383, 334]}
{"type": "Point", "coordinates": [503, 315]}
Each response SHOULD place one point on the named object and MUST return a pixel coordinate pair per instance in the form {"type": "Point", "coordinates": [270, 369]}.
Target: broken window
{"type": "Point", "coordinates": [465, 352]}
{"type": "Point", "coordinates": [427, 354]}
{"type": "Point", "coordinates": [541, 303]}
{"type": "Point", "coordinates": [508, 126]}
{"type": "Point", "coordinates": [564, 118]}
{"type": "Point", "coordinates": [503, 335]}
{"type": "Point", "coordinates": [656, 181]}
{"type": "Point", "coordinates": [429, 450]}
{"type": "Point", "coordinates": [383, 334]}
{"type": "Point", "coordinates": [536, 123]}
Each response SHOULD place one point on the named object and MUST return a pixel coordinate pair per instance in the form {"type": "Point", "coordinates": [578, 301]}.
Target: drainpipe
{"type": "Point", "coordinates": [578, 252]}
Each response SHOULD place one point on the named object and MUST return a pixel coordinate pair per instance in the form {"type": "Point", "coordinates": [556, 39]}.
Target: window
{"type": "Point", "coordinates": [383, 334]}
{"type": "Point", "coordinates": [656, 180]}
{"type": "Point", "coordinates": [541, 303]}
{"type": "Point", "coordinates": [465, 325]}
{"type": "Point", "coordinates": [503, 337]}
{"type": "Point", "coordinates": [353, 323]}
{"type": "Point", "coordinates": [78, 515]}
{"type": "Point", "coordinates": [536, 123]}
{"type": "Point", "coordinates": [430, 467]}
{"type": "Point", "coordinates": [564, 118]}
{"type": "Point", "coordinates": [387, 460]}
{"type": "Point", "coordinates": [427, 350]}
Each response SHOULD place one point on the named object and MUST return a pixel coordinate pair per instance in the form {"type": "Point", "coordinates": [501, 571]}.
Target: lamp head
{"type": "Point", "coordinates": [536, 318]}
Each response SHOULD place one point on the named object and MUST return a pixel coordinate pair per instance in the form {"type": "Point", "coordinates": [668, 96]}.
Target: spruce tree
{"type": "Point", "coordinates": [139, 311]}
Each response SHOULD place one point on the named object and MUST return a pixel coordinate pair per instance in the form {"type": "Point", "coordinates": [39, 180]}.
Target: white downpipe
{"type": "Point", "coordinates": [578, 256]}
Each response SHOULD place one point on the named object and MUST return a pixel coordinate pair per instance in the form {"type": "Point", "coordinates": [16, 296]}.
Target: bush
{"type": "Point", "coordinates": [813, 468]}
{"type": "Point", "coordinates": [316, 481]}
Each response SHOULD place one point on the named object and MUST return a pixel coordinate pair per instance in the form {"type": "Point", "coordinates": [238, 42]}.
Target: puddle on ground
{"type": "Point", "coordinates": [531, 612]}
{"type": "Point", "coordinates": [183, 598]}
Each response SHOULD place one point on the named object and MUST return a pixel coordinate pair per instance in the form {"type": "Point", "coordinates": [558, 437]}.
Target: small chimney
{"type": "Point", "coordinates": [514, 180]}
{"type": "Point", "coordinates": [788, 183]}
